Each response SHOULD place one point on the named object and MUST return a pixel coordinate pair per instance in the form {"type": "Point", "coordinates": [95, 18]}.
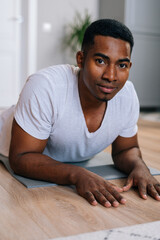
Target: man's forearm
{"type": "Point", "coordinates": [127, 160]}
{"type": "Point", "coordinates": [42, 167]}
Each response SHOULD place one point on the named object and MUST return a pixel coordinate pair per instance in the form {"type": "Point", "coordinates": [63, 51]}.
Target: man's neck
{"type": "Point", "coordinates": [93, 109]}
{"type": "Point", "coordinates": [87, 100]}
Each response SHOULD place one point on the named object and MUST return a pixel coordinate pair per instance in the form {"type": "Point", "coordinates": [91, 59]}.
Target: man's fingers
{"type": "Point", "coordinates": [101, 198]}
{"type": "Point", "coordinates": [113, 201]}
{"type": "Point", "coordinates": [97, 190]}
{"type": "Point", "coordinates": [142, 190]}
{"type": "Point", "coordinates": [128, 184]}
{"type": "Point", "coordinates": [154, 191]}
{"type": "Point", "coordinates": [113, 196]}
{"type": "Point", "coordinates": [90, 198]}
{"type": "Point", "coordinates": [95, 197]}
{"type": "Point", "coordinates": [157, 187]}
{"type": "Point", "coordinates": [104, 197]}
{"type": "Point", "coordinates": [118, 189]}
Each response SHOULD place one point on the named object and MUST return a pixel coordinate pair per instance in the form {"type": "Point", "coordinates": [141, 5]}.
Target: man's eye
{"type": "Point", "coordinates": [100, 61]}
{"type": "Point", "coordinates": [123, 65]}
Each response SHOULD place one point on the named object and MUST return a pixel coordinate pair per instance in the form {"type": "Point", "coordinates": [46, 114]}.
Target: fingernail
{"type": "Point", "coordinates": [94, 203]}
{"type": "Point", "coordinates": [115, 204]}
{"type": "Point", "coordinates": [158, 197]}
{"type": "Point", "coordinates": [145, 196]}
{"type": "Point", "coordinates": [123, 201]}
{"type": "Point", "coordinates": [107, 204]}
{"type": "Point", "coordinates": [120, 189]}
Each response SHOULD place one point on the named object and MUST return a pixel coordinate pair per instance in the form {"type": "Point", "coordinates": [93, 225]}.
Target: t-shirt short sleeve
{"type": "Point", "coordinates": [129, 132]}
{"type": "Point", "coordinates": [34, 110]}
{"type": "Point", "coordinates": [130, 118]}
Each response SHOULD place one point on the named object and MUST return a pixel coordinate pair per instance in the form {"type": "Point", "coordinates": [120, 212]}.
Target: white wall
{"type": "Point", "coordinates": [58, 14]}
{"type": "Point", "coordinates": [24, 43]}
{"type": "Point", "coordinates": [112, 9]}
{"type": "Point", "coordinates": [143, 18]}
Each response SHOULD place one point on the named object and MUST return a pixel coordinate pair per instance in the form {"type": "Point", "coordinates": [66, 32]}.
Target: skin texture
{"type": "Point", "coordinates": [104, 69]}
{"type": "Point", "coordinates": [100, 74]}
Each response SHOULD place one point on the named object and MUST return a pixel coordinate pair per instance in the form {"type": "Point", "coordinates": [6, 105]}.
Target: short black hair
{"type": "Point", "coordinates": [106, 27]}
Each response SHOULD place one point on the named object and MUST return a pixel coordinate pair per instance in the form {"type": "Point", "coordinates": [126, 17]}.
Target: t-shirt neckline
{"type": "Point", "coordinates": [88, 133]}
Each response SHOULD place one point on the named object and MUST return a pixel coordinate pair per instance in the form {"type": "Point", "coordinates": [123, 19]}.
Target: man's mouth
{"type": "Point", "coordinates": [107, 89]}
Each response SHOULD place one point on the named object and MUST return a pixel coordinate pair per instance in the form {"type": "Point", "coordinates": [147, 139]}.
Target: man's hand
{"type": "Point", "coordinates": [95, 189]}
{"type": "Point", "coordinates": [128, 158]}
{"type": "Point", "coordinates": [146, 183]}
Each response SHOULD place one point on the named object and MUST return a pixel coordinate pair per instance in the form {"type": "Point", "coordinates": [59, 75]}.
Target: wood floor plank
{"type": "Point", "coordinates": [15, 223]}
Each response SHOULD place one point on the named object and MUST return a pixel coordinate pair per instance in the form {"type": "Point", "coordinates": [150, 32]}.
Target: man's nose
{"type": "Point", "coordinates": [110, 73]}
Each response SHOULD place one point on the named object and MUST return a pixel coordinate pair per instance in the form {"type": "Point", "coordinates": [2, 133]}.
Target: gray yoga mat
{"type": "Point", "coordinates": [101, 164]}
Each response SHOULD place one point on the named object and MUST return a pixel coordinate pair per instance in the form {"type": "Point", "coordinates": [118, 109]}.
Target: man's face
{"type": "Point", "coordinates": [105, 67]}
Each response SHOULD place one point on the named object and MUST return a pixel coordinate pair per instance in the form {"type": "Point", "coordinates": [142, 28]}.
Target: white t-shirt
{"type": "Point", "coordinates": [49, 108]}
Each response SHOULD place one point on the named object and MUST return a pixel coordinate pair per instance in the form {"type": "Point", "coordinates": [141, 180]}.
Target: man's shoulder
{"type": "Point", "coordinates": [127, 96]}
{"type": "Point", "coordinates": [128, 90]}
{"type": "Point", "coordinates": [55, 71]}
{"type": "Point", "coordinates": [52, 77]}
{"type": "Point", "coordinates": [129, 86]}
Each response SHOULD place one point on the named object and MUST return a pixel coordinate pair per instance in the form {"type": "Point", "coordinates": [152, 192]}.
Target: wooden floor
{"type": "Point", "coordinates": [149, 140]}
{"type": "Point", "coordinates": [45, 213]}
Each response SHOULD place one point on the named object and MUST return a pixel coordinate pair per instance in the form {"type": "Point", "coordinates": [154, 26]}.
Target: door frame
{"type": "Point", "coordinates": [32, 36]}
{"type": "Point", "coordinates": [28, 39]}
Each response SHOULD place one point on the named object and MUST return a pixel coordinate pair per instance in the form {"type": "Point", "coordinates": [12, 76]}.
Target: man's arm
{"type": "Point", "coordinates": [127, 157]}
{"type": "Point", "coordinates": [26, 159]}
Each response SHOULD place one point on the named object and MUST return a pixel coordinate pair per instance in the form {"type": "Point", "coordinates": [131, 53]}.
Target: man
{"type": "Point", "coordinates": [69, 114]}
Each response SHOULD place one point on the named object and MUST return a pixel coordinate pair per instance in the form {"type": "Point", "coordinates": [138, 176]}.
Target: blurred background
{"type": "Point", "coordinates": [35, 34]}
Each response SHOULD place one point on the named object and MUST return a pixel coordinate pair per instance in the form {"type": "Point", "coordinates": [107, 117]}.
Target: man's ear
{"type": "Point", "coordinates": [80, 59]}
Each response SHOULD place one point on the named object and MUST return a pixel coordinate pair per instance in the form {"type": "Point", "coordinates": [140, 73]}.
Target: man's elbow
{"type": "Point", "coordinates": [13, 161]}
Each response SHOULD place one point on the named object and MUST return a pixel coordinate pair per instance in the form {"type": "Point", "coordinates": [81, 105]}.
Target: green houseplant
{"type": "Point", "coordinates": [75, 33]}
